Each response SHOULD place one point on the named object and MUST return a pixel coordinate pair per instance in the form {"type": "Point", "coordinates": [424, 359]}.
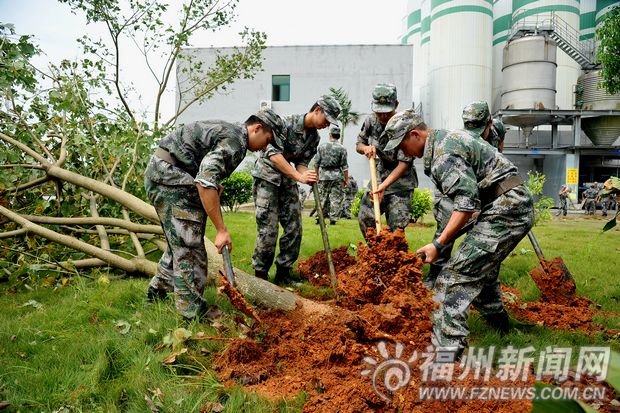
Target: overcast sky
{"type": "Point", "coordinates": [286, 22]}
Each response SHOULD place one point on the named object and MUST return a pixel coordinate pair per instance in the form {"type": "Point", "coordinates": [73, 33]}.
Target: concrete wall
{"type": "Point", "coordinates": [313, 70]}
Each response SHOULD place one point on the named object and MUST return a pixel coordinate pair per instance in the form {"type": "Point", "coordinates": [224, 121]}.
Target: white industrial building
{"type": "Point", "coordinates": [532, 60]}
{"type": "Point", "coordinates": [294, 77]}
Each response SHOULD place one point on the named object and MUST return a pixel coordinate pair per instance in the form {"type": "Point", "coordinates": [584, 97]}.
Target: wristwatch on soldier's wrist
{"type": "Point", "coordinates": [440, 247]}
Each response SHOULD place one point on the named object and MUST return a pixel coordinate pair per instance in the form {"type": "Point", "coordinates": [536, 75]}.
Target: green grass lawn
{"type": "Point", "coordinates": [91, 346]}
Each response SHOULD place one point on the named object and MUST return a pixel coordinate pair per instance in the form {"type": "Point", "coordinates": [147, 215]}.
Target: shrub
{"type": "Point", "coordinates": [237, 190]}
{"type": "Point", "coordinates": [542, 204]}
{"type": "Point", "coordinates": [355, 205]}
{"type": "Point", "coordinates": [421, 203]}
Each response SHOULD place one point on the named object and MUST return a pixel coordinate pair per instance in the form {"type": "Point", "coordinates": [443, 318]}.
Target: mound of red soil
{"type": "Point", "coordinates": [316, 270]}
{"type": "Point", "coordinates": [578, 315]}
{"type": "Point", "coordinates": [324, 352]}
{"type": "Point", "coordinates": [555, 282]}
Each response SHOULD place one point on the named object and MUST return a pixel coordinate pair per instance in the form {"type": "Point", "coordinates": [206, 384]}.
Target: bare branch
{"type": "Point", "coordinates": [15, 233]}
{"type": "Point", "coordinates": [113, 222]}
{"type": "Point", "coordinates": [27, 185]}
{"type": "Point", "coordinates": [103, 235]}
{"type": "Point", "coordinates": [24, 148]}
{"type": "Point", "coordinates": [133, 265]}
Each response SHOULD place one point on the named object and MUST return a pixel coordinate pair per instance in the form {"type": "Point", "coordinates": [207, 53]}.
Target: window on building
{"type": "Point", "coordinates": [281, 88]}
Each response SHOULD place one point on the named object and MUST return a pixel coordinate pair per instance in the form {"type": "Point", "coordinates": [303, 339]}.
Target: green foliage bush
{"type": "Point", "coordinates": [542, 204]}
{"type": "Point", "coordinates": [355, 205]}
{"type": "Point", "coordinates": [421, 203]}
{"type": "Point", "coordinates": [237, 190]}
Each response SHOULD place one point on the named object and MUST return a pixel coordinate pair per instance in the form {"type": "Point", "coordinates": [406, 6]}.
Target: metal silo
{"type": "Point", "coordinates": [529, 77]}
{"type": "Point", "coordinates": [460, 58]}
{"type": "Point", "coordinates": [602, 130]}
{"type": "Point", "coordinates": [502, 22]}
{"type": "Point", "coordinates": [587, 19]}
{"type": "Point", "coordinates": [413, 36]}
{"type": "Point", "coordinates": [567, 16]}
{"type": "Point", "coordinates": [425, 38]}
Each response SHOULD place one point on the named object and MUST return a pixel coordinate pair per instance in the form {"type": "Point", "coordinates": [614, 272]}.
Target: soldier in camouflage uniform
{"type": "Point", "coordinates": [604, 198]}
{"type": "Point", "coordinates": [275, 187]}
{"type": "Point", "coordinates": [473, 114]}
{"type": "Point", "coordinates": [497, 134]}
{"type": "Point", "coordinates": [350, 192]}
{"type": "Point", "coordinates": [331, 164]}
{"type": "Point", "coordinates": [475, 177]}
{"type": "Point", "coordinates": [563, 196]}
{"type": "Point", "coordinates": [395, 171]}
{"type": "Point", "coordinates": [183, 181]}
{"type": "Point", "coordinates": [589, 196]}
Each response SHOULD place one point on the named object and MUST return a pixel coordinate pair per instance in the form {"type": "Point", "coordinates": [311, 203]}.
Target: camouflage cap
{"type": "Point", "coordinates": [399, 125]}
{"type": "Point", "coordinates": [334, 130]}
{"type": "Point", "coordinates": [330, 107]}
{"type": "Point", "coordinates": [499, 127]}
{"type": "Point", "coordinates": [384, 98]}
{"type": "Point", "coordinates": [273, 120]}
{"type": "Point", "coordinates": [476, 115]}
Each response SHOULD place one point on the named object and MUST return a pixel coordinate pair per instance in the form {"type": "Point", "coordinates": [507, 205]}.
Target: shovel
{"type": "Point", "coordinates": [230, 275]}
{"type": "Point", "coordinates": [553, 279]}
{"type": "Point", "coordinates": [375, 197]}
{"type": "Point", "coordinates": [230, 289]}
{"type": "Point", "coordinates": [328, 250]}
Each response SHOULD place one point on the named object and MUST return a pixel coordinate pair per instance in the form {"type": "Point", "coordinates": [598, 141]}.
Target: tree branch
{"type": "Point", "coordinates": [113, 222]}
{"type": "Point", "coordinates": [134, 265]}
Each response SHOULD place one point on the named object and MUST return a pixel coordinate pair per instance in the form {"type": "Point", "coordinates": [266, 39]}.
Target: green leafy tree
{"type": "Point", "coordinates": [542, 203]}
{"type": "Point", "coordinates": [74, 141]}
{"type": "Point", "coordinates": [346, 114]}
{"type": "Point", "coordinates": [608, 53]}
{"type": "Point", "coordinates": [421, 203]}
{"type": "Point", "coordinates": [237, 190]}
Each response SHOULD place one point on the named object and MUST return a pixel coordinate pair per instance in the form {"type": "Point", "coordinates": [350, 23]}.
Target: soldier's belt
{"type": "Point", "coordinates": [164, 155]}
{"type": "Point", "coordinates": [499, 188]}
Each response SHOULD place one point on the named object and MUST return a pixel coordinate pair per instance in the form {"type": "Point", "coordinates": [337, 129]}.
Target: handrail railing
{"type": "Point", "coordinates": [552, 22]}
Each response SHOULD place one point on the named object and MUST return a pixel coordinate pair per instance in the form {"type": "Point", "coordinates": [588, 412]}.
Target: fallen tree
{"type": "Point", "coordinates": [73, 147]}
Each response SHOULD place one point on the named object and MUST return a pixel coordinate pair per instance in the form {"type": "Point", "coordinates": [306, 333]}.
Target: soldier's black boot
{"type": "Point", "coordinates": [261, 274]}
{"type": "Point", "coordinates": [154, 294]}
{"type": "Point", "coordinates": [499, 322]}
{"type": "Point", "coordinates": [283, 276]}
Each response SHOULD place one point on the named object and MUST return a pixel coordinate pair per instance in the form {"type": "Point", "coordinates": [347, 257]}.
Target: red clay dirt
{"type": "Point", "coordinates": [555, 282]}
{"type": "Point", "coordinates": [316, 270]}
{"type": "Point", "coordinates": [559, 306]}
{"type": "Point", "coordinates": [323, 354]}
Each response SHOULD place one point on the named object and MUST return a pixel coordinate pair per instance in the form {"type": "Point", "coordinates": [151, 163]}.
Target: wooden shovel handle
{"type": "Point", "coordinates": [375, 197]}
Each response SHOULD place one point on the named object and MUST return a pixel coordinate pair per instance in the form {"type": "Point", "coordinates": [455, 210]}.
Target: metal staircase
{"type": "Point", "coordinates": [565, 36]}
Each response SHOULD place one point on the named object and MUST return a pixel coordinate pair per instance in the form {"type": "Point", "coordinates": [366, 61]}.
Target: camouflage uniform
{"type": "Point", "coordinates": [442, 210]}
{"type": "Point", "coordinates": [478, 112]}
{"type": "Point", "coordinates": [468, 170]}
{"type": "Point", "coordinates": [590, 196]}
{"type": "Point", "coordinates": [497, 134]}
{"type": "Point", "coordinates": [350, 192]}
{"type": "Point", "coordinates": [277, 196]}
{"type": "Point", "coordinates": [205, 153]}
{"type": "Point", "coordinates": [396, 203]}
{"type": "Point", "coordinates": [331, 161]}
{"type": "Point", "coordinates": [463, 166]}
{"type": "Point", "coordinates": [563, 196]}
{"type": "Point", "coordinates": [604, 198]}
